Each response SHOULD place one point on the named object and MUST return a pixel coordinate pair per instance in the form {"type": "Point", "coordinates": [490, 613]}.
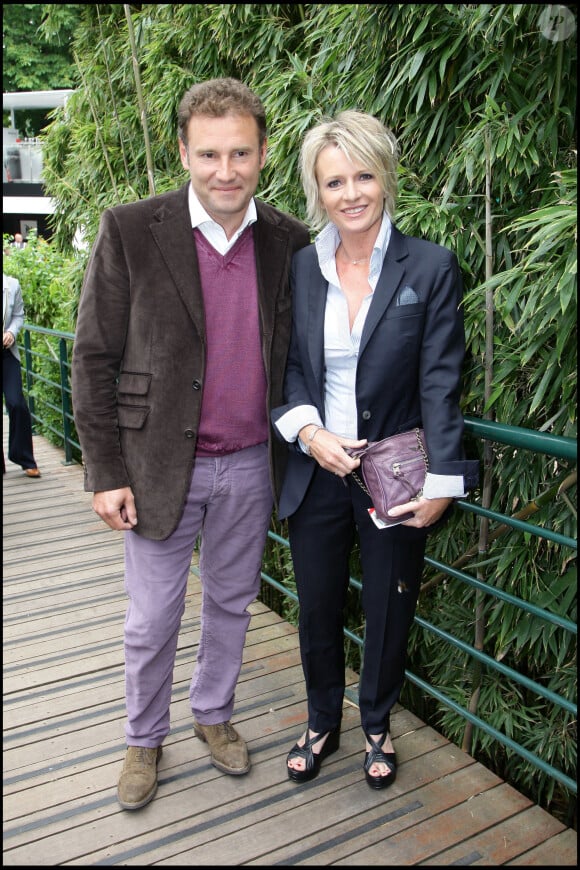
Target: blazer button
{"type": "Point", "coordinates": [189, 433]}
{"type": "Point", "coordinates": [366, 415]}
{"type": "Point", "coordinates": [196, 385]}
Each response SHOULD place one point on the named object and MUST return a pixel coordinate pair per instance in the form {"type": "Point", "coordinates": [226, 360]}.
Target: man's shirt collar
{"type": "Point", "coordinates": [199, 215]}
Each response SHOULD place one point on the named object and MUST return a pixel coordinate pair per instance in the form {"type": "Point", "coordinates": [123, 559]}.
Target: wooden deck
{"type": "Point", "coordinates": [64, 744]}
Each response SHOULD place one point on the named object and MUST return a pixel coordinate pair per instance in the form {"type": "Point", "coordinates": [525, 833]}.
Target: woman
{"type": "Point", "coordinates": [377, 349]}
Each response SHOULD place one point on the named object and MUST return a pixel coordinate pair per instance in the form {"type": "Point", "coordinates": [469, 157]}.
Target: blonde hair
{"type": "Point", "coordinates": [362, 138]}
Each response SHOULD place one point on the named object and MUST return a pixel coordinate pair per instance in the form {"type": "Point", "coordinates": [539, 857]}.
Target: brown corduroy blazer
{"type": "Point", "coordinates": [139, 352]}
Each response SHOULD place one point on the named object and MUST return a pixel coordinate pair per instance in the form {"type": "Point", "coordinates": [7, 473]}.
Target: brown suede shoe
{"type": "Point", "coordinates": [138, 781]}
{"type": "Point", "coordinates": [229, 752]}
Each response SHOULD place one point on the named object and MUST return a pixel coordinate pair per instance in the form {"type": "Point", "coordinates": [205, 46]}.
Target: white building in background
{"type": "Point", "coordinates": [25, 205]}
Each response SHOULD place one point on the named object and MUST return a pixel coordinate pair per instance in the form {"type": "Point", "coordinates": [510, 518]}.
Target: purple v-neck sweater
{"type": "Point", "coordinates": [233, 411]}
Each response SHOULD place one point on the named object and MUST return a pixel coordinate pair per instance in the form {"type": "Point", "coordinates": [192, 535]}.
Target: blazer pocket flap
{"type": "Point", "coordinates": [132, 416]}
{"type": "Point", "coordinates": [135, 383]}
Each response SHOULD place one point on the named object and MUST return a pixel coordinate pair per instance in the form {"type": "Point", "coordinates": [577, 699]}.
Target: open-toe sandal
{"type": "Point", "coordinates": [312, 760]}
{"type": "Point", "coordinates": [376, 755]}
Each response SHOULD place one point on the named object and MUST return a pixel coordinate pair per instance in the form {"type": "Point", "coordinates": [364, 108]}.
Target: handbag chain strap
{"type": "Point", "coordinates": [360, 483]}
{"type": "Point", "coordinates": [423, 453]}
{"type": "Point", "coordinates": [422, 449]}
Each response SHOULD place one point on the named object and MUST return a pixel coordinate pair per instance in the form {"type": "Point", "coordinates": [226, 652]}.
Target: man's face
{"type": "Point", "coordinates": [224, 158]}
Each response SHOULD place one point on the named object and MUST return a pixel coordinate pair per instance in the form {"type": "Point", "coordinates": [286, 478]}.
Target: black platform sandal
{"type": "Point", "coordinates": [376, 754]}
{"type": "Point", "coordinates": [313, 761]}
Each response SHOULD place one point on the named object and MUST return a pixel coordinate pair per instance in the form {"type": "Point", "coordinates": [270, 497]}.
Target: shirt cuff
{"type": "Point", "coordinates": [290, 423]}
{"type": "Point", "coordinates": [443, 486]}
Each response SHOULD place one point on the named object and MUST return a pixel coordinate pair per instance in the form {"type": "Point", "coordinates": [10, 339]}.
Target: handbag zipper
{"type": "Point", "coordinates": [398, 466]}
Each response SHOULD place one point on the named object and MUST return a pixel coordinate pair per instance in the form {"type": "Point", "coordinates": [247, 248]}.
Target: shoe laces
{"type": "Point", "coordinates": [142, 755]}
{"type": "Point", "coordinates": [228, 731]}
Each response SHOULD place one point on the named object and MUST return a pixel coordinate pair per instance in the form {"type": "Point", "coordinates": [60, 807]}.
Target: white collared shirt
{"type": "Point", "coordinates": [341, 346]}
{"type": "Point", "coordinates": [214, 232]}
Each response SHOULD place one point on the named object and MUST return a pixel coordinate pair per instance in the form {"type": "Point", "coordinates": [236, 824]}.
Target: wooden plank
{"type": "Point", "coordinates": [186, 798]}
{"type": "Point", "coordinates": [478, 812]}
{"type": "Point", "coordinates": [511, 837]}
{"type": "Point", "coordinates": [560, 850]}
{"type": "Point", "coordinates": [64, 714]}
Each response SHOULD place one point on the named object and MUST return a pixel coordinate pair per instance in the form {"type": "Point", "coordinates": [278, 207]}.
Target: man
{"type": "Point", "coordinates": [20, 448]}
{"type": "Point", "coordinates": [18, 241]}
{"type": "Point", "coordinates": [182, 335]}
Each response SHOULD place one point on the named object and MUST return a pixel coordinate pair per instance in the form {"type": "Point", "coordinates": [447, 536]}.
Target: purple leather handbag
{"type": "Point", "coordinates": [393, 472]}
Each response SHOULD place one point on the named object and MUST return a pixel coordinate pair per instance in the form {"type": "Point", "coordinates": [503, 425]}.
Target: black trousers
{"type": "Point", "coordinates": [19, 420]}
{"type": "Point", "coordinates": [321, 535]}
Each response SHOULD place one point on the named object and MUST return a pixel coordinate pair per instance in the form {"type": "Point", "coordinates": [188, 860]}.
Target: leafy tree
{"type": "Point", "coordinates": [35, 60]}
{"type": "Point", "coordinates": [32, 59]}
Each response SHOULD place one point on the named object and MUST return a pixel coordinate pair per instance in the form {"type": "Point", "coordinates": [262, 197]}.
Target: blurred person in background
{"type": "Point", "coordinates": [20, 448]}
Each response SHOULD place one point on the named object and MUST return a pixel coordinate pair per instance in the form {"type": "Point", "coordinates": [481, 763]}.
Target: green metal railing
{"type": "Point", "coordinates": [46, 358]}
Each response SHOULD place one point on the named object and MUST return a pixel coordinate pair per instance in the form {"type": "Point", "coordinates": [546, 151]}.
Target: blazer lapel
{"type": "Point", "coordinates": [173, 235]}
{"type": "Point", "coordinates": [389, 280]}
{"type": "Point", "coordinates": [317, 291]}
{"type": "Point", "coordinates": [5, 303]}
{"type": "Point", "coordinates": [271, 244]}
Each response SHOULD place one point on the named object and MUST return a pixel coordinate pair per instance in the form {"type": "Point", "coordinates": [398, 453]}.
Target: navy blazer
{"type": "Point", "coordinates": [410, 358]}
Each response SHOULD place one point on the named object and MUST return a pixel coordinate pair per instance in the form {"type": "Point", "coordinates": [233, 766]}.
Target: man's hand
{"type": "Point", "coordinates": [8, 339]}
{"type": "Point", "coordinates": [116, 507]}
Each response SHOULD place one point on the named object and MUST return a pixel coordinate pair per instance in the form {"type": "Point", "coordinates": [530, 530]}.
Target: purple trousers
{"type": "Point", "coordinates": [229, 505]}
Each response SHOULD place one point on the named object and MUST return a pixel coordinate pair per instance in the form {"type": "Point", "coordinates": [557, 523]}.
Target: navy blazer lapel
{"type": "Point", "coordinates": [389, 280]}
{"type": "Point", "coordinates": [317, 292]}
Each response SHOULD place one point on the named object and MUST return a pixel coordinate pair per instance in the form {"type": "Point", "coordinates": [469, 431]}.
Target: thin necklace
{"type": "Point", "coordinates": [355, 262]}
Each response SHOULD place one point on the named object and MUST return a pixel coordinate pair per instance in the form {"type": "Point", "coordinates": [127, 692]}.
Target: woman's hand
{"type": "Point", "coordinates": [426, 511]}
{"type": "Point", "coordinates": [328, 449]}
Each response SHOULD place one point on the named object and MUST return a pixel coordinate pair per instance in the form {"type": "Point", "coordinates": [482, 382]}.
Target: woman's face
{"type": "Point", "coordinates": [350, 192]}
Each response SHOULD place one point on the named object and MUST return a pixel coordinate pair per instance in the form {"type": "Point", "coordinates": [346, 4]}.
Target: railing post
{"type": "Point", "coordinates": [65, 401]}
{"type": "Point", "coordinates": [29, 374]}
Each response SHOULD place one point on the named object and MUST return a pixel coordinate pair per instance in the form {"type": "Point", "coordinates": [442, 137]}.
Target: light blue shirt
{"type": "Point", "coordinates": [341, 350]}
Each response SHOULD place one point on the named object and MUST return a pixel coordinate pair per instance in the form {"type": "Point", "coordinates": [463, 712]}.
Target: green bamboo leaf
{"type": "Point", "coordinates": [416, 64]}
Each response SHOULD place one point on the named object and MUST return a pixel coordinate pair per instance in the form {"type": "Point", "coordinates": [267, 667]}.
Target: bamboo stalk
{"type": "Point", "coordinates": [479, 636]}
{"type": "Point", "coordinates": [140, 99]}
{"type": "Point", "coordinates": [103, 43]}
{"type": "Point", "coordinates": [97, 128]}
